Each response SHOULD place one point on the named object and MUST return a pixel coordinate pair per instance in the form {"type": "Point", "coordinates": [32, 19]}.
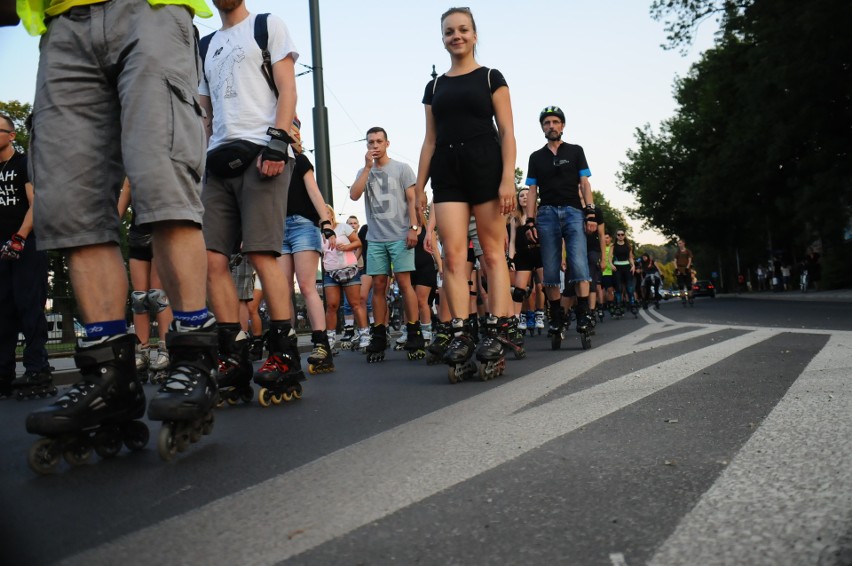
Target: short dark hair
{"type": "Point", "coordinates": [376, 130]}
{"type": "Point", "coordinates": [8, 121]}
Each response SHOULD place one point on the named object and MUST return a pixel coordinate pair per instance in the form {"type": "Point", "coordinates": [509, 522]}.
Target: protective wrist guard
{"type": "Point", "coordinates": [13, 248]}
{"type": "Point", "coordinates": [590, 211]}
{"type": "Point", "coordinates": [275, 150]}
{"type": "Point", "coordinates": [328, 233]}
{"type": "Point", "coordinates": [324, 222]}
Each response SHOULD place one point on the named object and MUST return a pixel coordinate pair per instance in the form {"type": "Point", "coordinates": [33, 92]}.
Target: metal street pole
{"type": "Point", "coordinates": [320, 112]}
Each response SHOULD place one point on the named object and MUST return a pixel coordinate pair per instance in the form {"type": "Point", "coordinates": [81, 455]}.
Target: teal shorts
{"type": "Point", "coordinates": [384, 257]}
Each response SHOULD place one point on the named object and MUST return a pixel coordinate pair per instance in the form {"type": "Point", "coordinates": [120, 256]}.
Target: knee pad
{"type": "Point", "coordinates": [139, 302]}
{"type": "Point", "coordinates": [157, 300]}
{"type": "Point", "coordinates": [518, 294]}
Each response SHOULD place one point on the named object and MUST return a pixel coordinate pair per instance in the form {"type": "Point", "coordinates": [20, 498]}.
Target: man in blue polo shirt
{"type": "Point", "coordinates": [559, 174]}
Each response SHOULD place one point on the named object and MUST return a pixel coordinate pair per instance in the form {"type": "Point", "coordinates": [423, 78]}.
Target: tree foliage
{"type": "Point", "coordinates": [755, 160]}
{"type": "Point", "coordinates": [18, 112]}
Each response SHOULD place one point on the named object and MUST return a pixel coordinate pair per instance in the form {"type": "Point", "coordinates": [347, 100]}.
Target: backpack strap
{"type": "Point", "coordinates": [261, 36]}
{"type": "Point", "coordinates": [203, 47]}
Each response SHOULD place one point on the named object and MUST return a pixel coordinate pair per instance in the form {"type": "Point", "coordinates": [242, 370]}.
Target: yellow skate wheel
{"type": "Point", "coordinates": [77, 452]}
{"type": "Point", "coordinates": [166, 445]}
{"type": "Point", "coordinates": [232, 401]}
{"type": "Point", "coordinates": [264, 397]}
{"type": "Point", "coordinates": [312, 369]}
{"type": "Point", "coordinates": [287, 396]}
{"type": "Point", "coordinates": [276, 399]}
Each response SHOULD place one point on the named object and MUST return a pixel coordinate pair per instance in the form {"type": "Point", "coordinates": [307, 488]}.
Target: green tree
{"type": "Point", "coordinates": [18, 112]}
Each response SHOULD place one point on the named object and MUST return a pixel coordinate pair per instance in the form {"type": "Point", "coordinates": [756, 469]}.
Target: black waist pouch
{"type": "Point", "coordinates": [233, 158]}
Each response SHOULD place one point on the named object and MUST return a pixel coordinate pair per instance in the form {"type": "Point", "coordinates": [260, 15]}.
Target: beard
{"type": "Point", "coordinates": [227, 5]}
{"type": "Point", "coordinates": [552, 135]}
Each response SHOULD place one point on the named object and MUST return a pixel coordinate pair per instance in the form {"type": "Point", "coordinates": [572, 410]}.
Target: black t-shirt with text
{"type": "Point", "coordinates": [13, 194]}
{"type": "Point", "coordinates": [298, 201]}
{"type": "Point", "coordinates": [462, 105]}
{"type": "Point", "coordinates": [558, 176]}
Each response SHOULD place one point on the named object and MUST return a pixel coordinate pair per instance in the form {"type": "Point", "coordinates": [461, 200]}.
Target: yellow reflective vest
{"type": "Point", "coordinates": [33, 12]}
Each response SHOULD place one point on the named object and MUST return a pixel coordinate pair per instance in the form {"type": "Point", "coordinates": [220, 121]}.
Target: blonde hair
{"type": "Point", "coordinates": [332, 216]}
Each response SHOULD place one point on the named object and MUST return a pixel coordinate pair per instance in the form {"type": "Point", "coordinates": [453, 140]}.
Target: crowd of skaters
{"type": "Point", "coordinates": [254, 205]}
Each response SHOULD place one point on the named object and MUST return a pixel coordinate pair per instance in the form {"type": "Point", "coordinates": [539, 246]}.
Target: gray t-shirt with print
{"type": "Point", "coordinates": [384, 201]}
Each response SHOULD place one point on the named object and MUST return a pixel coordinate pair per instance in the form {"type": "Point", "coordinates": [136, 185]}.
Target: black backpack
{"type": "Point", "coordinates": [261, 36]}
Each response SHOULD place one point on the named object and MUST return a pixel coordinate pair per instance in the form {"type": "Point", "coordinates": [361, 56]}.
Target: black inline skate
{"type": "Point", "coordinates": [556, 331]}
{"type": "Point", "coordinates": [34, 385]}
{"type": "Point", "coordinates": [256, 348]}
{"type": "Point", "coordinates": [281, 374]}
{"type": "Point", "coordinates": [378, 343]}
{"type": "Point", "coordinates": [511, 336]}
{"type": "Point", "coordinates": [459, 352]}
{"type": "Point", "coordinates": [186, 399]}
{"type": "Point", "coordinates": [415, 344]}
{"type": "Point", "coordinates": [634, 308]}
{"type": "Point", "coordinates": [490, 352]}
{"type": "Point", "coordinates": [585, 327]}
{"type": "Point", "coordinates": [349, 341]}
{"type": "Point", "coordinates": [600, 312]}
{"type": "Point", "coordinates": [235, 369]}
{"type": "Point", "coordinates": [321, 359]}
{"type": "Point", "coordinates": [441, 337]}
{"type": "Point", "coordinates": [100, 412]}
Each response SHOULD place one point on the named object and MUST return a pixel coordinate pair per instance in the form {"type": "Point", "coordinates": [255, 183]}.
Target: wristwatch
{"type": "Point", "coordinates": [414, 227]}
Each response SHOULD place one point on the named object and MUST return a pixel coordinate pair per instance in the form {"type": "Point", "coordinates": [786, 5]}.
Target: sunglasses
{"type": "Point", "coordinates": [620, 235]}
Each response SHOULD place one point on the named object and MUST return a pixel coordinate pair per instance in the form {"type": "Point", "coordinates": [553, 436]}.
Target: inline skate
{"type": "Point", "coordinates": [349, 341]}
{"type": "Point", "coordinates": [143, 361]}
{"type": "Point", "coordinates": [511, 336]}
{"type": "Point", "coordinates": [281, 375]}
{"type": "Point", "coordinates": [415, 344]}
{"type": "Point", "coordinates": [522, 322]}
{"type": "Point", "coordinates": [185, 400]}
{"type": "Point", "coordinates": [363, 339]}
{"type": "Point", "coordinates": [539, 322]}
{"type": "Point", "coordinates": [378, 343]}
{"type": "Point", "coordinates": [158, 366]}
{"type": "Point", "coordinates": [441, 337]}
{"type": "Point", "coordinates": [256, 348]}
{"type": "Point", "coordinates": [459, 352]}
{"type": "Point", "coordinates": [585, 327]}
{"type": "Point", "coordinates": [320, 359]}
{"type": "Point", "coordinates": [490, 352]}
{"type": "Point", "coordinates": [235, 369]}
{"type": "Point", "coordinates": [531, 318]}
{"type": "Point", "coordinates": [100, 412]}
{"type": "Point", "coordinates": [34, 385]}
{"type": "Point", "coordinates": [399, 343]}
{"type": "Point", "coordinates": [634, 309]}
{"type": "Point", "coordinates": [556, 332]}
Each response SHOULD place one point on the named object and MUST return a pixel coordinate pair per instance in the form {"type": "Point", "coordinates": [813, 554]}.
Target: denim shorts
{"type": "Point", "coordinates": [327, 281]}
{"type": "Point", "coordinates": [555, 224]}
{"type": "Point", "coordinates": [300, 235]}
{"type": "Point", "coordinates": [382, 255]}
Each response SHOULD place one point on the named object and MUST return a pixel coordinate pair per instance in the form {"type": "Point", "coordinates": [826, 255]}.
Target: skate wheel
{"type": "Point", "coordinates": [264, 397]}
{"type": "Point", "coordinates": [452, 375]}
{"type": "Point", "coordinates": [135, 435]}
{"type": "Point", "coordinates": [297, 393]}
{"type": "Point", "coordinates": [220, 403]}
{"type": "Point", "coordinates": [207, 423]}
{"type": "Point", "coordinates": [231, 401]}
{"type": "Point", "coordinates": [246, 395]}
{"type": "Point", "coordinates": [520, 354]}
{"type": "Point", "coordinates": [166, 445]}
{"type": "Point", "coordinates": [77, 453]}
{"type": "Point", "coordinates": [194, 430]}
{"type": "Point", "coordinates": [108, 441]}
{"type": "Point", "coordinates": [555, 342]}
{"type": "Point", "coordinates": [276, 399]}
{"type": "Point", "coordinates": [586, 341]}
{"type": "Point", "coordinates": [183, 436]}
{"type": "Point", "coordinates": [43, 457]}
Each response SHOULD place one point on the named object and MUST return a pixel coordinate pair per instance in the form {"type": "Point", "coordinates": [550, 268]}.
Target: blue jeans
{"type": "Point", "coordinates": [555, 224]}
{"type": "Point", "coordinates": [300, 235]}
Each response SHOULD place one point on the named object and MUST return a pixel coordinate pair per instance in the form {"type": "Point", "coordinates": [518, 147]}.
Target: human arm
{"type": "Point", "coordinates": [207, 118]}
{"type": "Point", "coordinates": [319, 204]}
{"type": "Point", "coordinates": [410, 201]}
{"type": "Point", "coordinates": [123, 198]}
{"type": "Point", "coordinates": [430, 239]}
{"type": "Point", "coordinates": [13, 247]}
{"type": "Point", "coordinates": [427, 150]}
{"type": "Point", "coordinates": [508, 149]}
{"type": "Point", "coordinates": [273, 158]}
{"type": "Point", "coordinates": [360, 185]}
{"type": "Point", "coordinates": [602, 241]}
{"type": "Point", "coordinates": [353, 244]}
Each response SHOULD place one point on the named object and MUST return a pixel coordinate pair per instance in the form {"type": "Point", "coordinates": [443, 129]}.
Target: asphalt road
{"type": "Point", "coordinates": [717, 434]}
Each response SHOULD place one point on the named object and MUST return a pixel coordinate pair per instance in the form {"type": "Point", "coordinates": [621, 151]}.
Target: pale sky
{"type": "Point", "coordinates": [600, 61]}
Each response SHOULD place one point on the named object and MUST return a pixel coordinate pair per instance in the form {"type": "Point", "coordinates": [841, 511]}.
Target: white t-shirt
{"type": "Point", "coordinates": [243, 104]}
{"type": "Point", "coordinates": [333, 258]}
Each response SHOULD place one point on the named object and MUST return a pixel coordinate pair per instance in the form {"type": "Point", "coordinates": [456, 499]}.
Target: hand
{"type": "Point", "coordinates": [411, 239]}
{"type": "Point", "coordinates": [332, 242]}
{"type": "Point", "coordinates": [369, 159]}
{"type": "Point", "coordinates": [271, 162]}
{"type": "Point", "coordinates": [427, 244]}
{"type": "Point", "coordinates": [506, 196]}
{"type": "Point", "coordinates": [529, 231]}
{"type": "Point", "coordinates": [13, 248]}
{"type": "Point", "coordinates": [339, 246]}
